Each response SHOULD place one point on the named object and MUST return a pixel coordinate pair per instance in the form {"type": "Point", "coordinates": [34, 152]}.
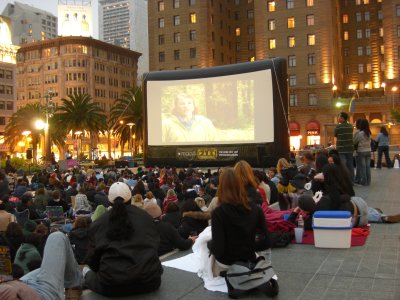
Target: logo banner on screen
{"type": "Point", "coordinates": [209, 153]}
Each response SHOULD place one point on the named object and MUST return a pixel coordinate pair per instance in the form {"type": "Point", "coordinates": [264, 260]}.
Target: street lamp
{"type": "Point", "coordinates": [394, 90]}
{"type": "Point", "coordinates": [49, 114]}
{"type": "Point", "coordinates": [130, 136]}
{"type": "Point", "coordinates": [78, 134]}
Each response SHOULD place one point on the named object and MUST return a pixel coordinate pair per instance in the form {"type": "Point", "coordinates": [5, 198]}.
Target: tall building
{"type": "Point", "coordinates": [68, 65]}
{"type": "Point", "coordinates": [8, 54]}
{"type": "Point", "coordinates": [338, 53]}
{"type": "Point", "coordinates": [30, 24]}
{"type": "Point", "coordinates": [124, 23]}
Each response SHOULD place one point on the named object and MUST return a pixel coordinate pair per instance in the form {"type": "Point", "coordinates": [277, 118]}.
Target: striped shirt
{"type": "Point", "coordinates": [344, 138]}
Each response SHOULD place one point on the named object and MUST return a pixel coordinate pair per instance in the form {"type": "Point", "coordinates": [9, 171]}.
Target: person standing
{"type": "Point", "coordinates": [363, 141]}
{"type": "Point", "coordinates": [344, 142]}
{"type": "Point", "coordinates": [383, 147]}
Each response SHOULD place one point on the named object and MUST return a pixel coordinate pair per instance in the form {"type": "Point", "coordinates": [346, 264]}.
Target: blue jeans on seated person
{"type": "Point", "coordinates": [59, 269]}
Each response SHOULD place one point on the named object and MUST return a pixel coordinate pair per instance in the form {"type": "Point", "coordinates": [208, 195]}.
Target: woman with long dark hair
{"type": "Point", "coordinates": [123, 249]}
{"type": "Point", "coordinates": [383, 148]}
{"type": "Point", "coordinates": [363, 141]}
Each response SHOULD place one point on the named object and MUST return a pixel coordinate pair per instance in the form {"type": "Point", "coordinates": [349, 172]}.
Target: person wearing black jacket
{"type": "Point", "coordinates": [235, 223]}
{"type": "Point", "coordinates": [123, 249]}
{"type": "Point", "coordinates": [244, 171]}
{"type": "Point", "coordinates": [79, 239]}
{"type": "Point", "coordinates": [169, 235]}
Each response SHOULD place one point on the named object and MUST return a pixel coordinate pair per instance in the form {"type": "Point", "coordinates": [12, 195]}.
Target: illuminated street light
{"type": "Point", "coordinates": [130, 137]}
{"type": "Point", "coordinates": [394, 90]}
{"type": "Point", "coordinates": [39, 124]}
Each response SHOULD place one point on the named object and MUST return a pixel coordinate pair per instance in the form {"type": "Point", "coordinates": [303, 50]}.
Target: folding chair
{"type": "Point", "coordinates": [55, 214]}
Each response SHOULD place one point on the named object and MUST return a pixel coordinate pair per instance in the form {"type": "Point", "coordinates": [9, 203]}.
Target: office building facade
{"type": "Point", "coordinates": [341, 55]}
{"type": "Point", "coordinates": [124, 23]}
{"type": "Point", "coordinates": [30, 24]}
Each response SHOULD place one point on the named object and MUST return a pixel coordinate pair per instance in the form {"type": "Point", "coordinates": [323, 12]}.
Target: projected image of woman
{"type": "Point", "coordinates": [184, 125]}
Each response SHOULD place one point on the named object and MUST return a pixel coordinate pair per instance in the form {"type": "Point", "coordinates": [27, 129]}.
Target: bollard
{"type": "Point", "coordinates": [396, 164]}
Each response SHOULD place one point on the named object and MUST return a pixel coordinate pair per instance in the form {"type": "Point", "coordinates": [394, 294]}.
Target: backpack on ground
{"type": "Point", "coordinates": [243, 276]}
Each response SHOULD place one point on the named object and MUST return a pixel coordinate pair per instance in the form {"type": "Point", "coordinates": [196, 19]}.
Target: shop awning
{"type": "Point", "coordinates": [294, 128]}
{"type": "Point", "coordinates": [313, 128]}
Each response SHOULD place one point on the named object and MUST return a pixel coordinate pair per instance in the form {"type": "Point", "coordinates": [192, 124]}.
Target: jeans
{"type": "Point", "coordinates": [347, 159]}
{"type": "Point", "coordinates": [383, 150]}
{"type": "Point", "coordinates": [363, 161]}
{"type": "Point", "coordinates": [375, 216]}
{"type": "Point", "coordinates": [59, 269]}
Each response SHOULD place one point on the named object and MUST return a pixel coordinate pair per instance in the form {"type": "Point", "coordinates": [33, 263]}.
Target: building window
{"type": "Point", "coordinates": [290, 22]}
{"type": "Point", "coordinates": [366, 16]}
{"type": "Point", "coordinates": [311, 39]}
{"type": "Point", "coordinates": [192, 2]}
{"type": "Point", "coordinates": [293, 100]}
{"type": "Point", "coordinates": [2, 120]}
{"type": "Point", "coordinates": [250, 29]}
{"type": "Point", "coordinates": [380, 15]}
{"type": "Point", "coordinates": [292, 80]}
{"type": "Point", "coordinates": [359, 51]}
{"type": "Point", "coordinates": [161, 39]}
{"type": "Point", "coordinates": [360, 68]}
{"type": "Point", "coordinates": [192, 35]}
{"type": "Point", "coordinates": [237, 31]}
{"type": "Point", "coordinates": [10, 105]}
{"type": "Point", "coordinates": [345, 19]}
{"type": "Point", "coordinates": [177, 20]}
{"type": "Point", "coordinates": [291, 41]}
{"type": "Point", "coordinates": [368, 50]}
{"type": "Point", "coordinates": [312, 79]}
{"type": "Point", "coordinates": [160, 5]}
{"type": "Point", "coordinates": [271, 6]}
{"type": "Point", "coordinates": [292, 60]}
{"type": "Point", "coordinates": [250, 14]}
{"type": "Point", "coordinates": [346, 35]}
{"type": "Point", "coordinates": [358, 17]}
{"type": "Point", "coordinates": [193, 53]}
{"type": "Point", "coordinates": [347, 69]}
{"type": "Point", "coordinates": [271, 25]}
{"type": "Point", "coordinates": [192, 18]}
{"type": "Point", "coordinates": [358, 2]}
{"type": "Point", "coordinates": [398, 10]}
{"type": "Point", "coordinates": [311, 59]}
{"type": "Point", "coordinates": [359, 34]}
{"type": "Point", "coordinates": [381, 31]}
{"type": "Point", "coordinates": [177, 54]}
{"type": "Point", "coordinates": [176, 3]}
{"type": "Point", "coordinates": [382, 49]}
{"type": "Point", "coordinates": [310, 20]}
{"type": "Point", "coordinates": [312, 99]}
{"type": "Point", "coordinates": [161, 23]}
{"type": "Point", "coordinates": [251, 45]}
{"type": "Point", "coordinates": [366, 2]}
{"type": "Point", "coordinates": [161, 56]}
{"type": "Point", "coordinates": [367, 33]}
{"type": "Point", "coordinates": [177, 37]}
{"type": "Point", "coordinates": [272, 43]}
{"type": "Point", "coordinates": [310, 2]}
{"type": "Point", "coordinates": [237, 15]}
{"type": "Point", "coordinates": [369, 68]}
{"type": "Point", "coordinates": [238, 46]}
{"type": "Point", "coordinates": [289, 4]}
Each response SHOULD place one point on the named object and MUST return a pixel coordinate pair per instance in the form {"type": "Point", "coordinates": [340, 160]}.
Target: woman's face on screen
{"type": "Point", "coordinates": [184, 106]}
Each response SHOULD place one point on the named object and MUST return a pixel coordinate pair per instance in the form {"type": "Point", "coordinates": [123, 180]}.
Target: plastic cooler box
{"type": "Point", "coordinates": [332, 229]}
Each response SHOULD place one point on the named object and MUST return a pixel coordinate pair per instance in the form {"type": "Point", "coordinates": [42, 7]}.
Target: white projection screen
{"type": "Point", "coordinates": [203, 114]}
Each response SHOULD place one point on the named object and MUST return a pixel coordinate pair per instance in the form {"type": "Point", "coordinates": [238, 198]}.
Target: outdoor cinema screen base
{"type": "Point", "coordinates": [217, 116]}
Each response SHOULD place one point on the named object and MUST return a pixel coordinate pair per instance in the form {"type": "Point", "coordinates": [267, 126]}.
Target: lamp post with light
{"type": "Point", "coordinates": [130, 137]}
{"type": "Point", "coordinates": [78, 134]}
{"type": "Point", "coordinates": [394, 90]}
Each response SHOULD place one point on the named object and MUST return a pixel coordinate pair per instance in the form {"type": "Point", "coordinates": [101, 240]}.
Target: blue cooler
{"type": "Point", "coordinates": [332, 229]}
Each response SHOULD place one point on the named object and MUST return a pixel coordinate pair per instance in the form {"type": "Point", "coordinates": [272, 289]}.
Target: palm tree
{"type": "Point", "coordinates": [128, 108]}
{"type": "Point", "coordinates": [24, 120]}
{"type": "Point", "coordinates": [79, 113]}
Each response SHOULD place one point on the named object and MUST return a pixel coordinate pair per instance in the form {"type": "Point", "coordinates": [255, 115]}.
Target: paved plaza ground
{"type": "Point", "coordinates": [305, 272]}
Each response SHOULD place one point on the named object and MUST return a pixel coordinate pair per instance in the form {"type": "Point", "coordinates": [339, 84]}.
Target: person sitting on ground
{"type": "Point", "coordinates": [193, 222]}
{"type": "Point", "coordinates": [150, 198]}
{"type": "Point", "coordinates": [27, 204]}
{"type": "Point", "coordinates": [4, 185]}
{"type": "Point", "coordinates": [137, 201]}
{"type": "Point", "coordinates": [82, 205]}
{"type": "Point", "coordinates": [169, 235]}
{"type": "Point", "coordinates": [244, 171]}
{"type": "Point", "coordinates": [79, 238]}
{"type": "Point", "coordinates": [5, 217]}
{"type": "Point", "coordinates": [28, 252]}
{"type": "Point", "coordinates": [56, 273]}
{"type": "Point", "coordinates": [43, 231]}
{"type": "Point", "coordinates": [41, 199]}
{"type": "Point", "coordinates": [57, 201]}
{"type": "Point", "coordinates": [172, 215]}
{"type": "Point", "coordinates": [100, 198]}
{"type": "Point", "coordinates": [123, 249]}
{"type": "Point", "coordinates": [170, 198]}
{"type": "Point", "coordinates": [13, 237]}
{"type": "Point", "coordinates": [21, 188]}
{"type": "Point", "coordinates": [286, 172]}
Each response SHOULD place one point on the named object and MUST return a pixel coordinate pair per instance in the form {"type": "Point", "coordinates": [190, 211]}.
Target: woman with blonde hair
{"type": "Point", "coordinates": [137, 201]}
{"type": "Point", "coordinates": [286, 172]}
{"type": "Point", "coordinates": [246, 176]}
{"type": "Point", "coordinates": [170, 198]}
{"type": "Point", "coordinates": [150, 198]}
